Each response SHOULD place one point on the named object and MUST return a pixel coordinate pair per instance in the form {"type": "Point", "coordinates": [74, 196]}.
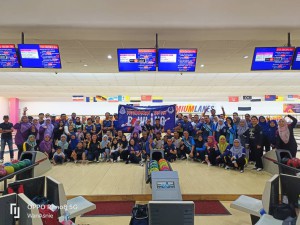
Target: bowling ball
{"type": "Point", "coordinates": [284, 160]}
{"type": "Point", "coordinates": [3, 172]}
{"type": "Point", "coordinates": [294, 162]}
{"type": "Point", "coordinates": [27, 161]}
{"type": "Point", "coordinates": [7, 164]}
{"type": "Point", "coordinates": [14, 161]}
{"type": "Point", "coordinates": [22, 164]}
{"type": "Point", "coordinates": [9, 169]}
{"type": "Point", "coordinates": [16, 167]}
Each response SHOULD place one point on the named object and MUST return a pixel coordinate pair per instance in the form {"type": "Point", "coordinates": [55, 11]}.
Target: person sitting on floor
{"type": "Point", "coordinates": [59, 156]}
{"type": "Point", "coordinates": [170, 151]}
{"type": "Point", "coordinates": [79, 153]}
{"type": "Point", "coordinates": [236, 156]}
{"type": "Point", "coordinates": [114, 150]}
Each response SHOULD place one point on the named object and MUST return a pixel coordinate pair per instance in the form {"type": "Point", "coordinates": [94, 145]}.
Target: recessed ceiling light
{"type": "Point", "coordinates": [246, 57]}
{"type": "Point", "coordinates": [109, 57]}
{"type": "Point", "coordinates": [202, 65]}
{"type": "Point", "coordinates": [85, 65]}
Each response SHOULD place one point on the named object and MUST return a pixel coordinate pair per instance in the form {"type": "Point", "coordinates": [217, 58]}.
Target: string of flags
{"type": "Point", "coordinates": [118, 98]}
{"type": "Point", "coordinates": [269, 98]}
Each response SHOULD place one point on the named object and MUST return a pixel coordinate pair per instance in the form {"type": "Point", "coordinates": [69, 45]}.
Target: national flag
{"type": "Point", "coordinates": [127, 98]}
{"type": "Point", "coordinates": [146, 98]}
{"type": "Point", "coordinates": [279, 98]}
{"type": "Point", "coordinates": [135, 99]}
{"type": "Point", "coordinates": [78, 98]}
{"type": "Point", "coordinates": [101, 98]}
{"type": "Point", "coordinates": [247, 97]}
{"type": "Point", "coordinates": [121, 98]}
{"type": "Point", "coordinates": [112, 99]}
{"type": "Point", "coordinates": [157, 99]}
{"type": "Point", "coordinates": [91, 99]}
{"type": "Point", "coordinates": [293, 97]}
{"type": "Point", "coordinates": [233, 98]}
{"type": "Point", "coordinates": [270, 97]}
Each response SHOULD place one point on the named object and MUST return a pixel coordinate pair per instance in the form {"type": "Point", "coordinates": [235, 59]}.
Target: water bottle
{"type": "Point", "coordinates": [66, 217]}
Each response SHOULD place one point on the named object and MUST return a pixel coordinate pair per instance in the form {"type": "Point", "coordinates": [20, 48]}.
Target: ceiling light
{"type": "Point", "coordinates": [85, 65]}
{"type": "Point", "coordinates": [109, 57]}
{"type": "Point", "coordinates": [246, 57]}
{"type": "Point", "coordinates": [202, 66]}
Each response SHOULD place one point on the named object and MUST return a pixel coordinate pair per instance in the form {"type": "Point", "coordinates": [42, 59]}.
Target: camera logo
{"type": "Point", "coordinates": [15, 210]}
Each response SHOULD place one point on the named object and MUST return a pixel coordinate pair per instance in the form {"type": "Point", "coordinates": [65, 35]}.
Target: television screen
{"type": "Point", "coordinates": [137, 60]}
{"type": "Point", "coordinates": [180, 60]}
{"type": "Point", "coordinates": [296, 61]}
{"type": "Point", "coordinates": [39, 56]}
{"type": "Point", "coordinates": [8, 56]}
{"type": "Point", "coordinates": [272, 58]}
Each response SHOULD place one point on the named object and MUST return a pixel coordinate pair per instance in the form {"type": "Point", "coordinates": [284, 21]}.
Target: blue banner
{"type": "Point", "coordinates": [128, 115]}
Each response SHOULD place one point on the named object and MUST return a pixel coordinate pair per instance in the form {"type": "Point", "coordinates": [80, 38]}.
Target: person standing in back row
{"type": "Point", "coordinates": [285, 136]}
{"type": "Point", "coordinates": [6, 129]}
{"type": "Point", "coordinates": [254, 139]}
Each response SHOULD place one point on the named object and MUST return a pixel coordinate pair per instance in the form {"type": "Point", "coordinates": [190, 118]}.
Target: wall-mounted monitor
{"type": "Point", "coordinates": [272, 58]}
{"type": "Point", "coordinates": [296, 61]}
{"type": "Point", "coordinates": [8, 56]}
{"type": "Point", "coordinates": [137, 59]}
{"type": "Point", "coordinates": [180, 60]}
{"type": "Point", "coordinates": [39, 56]}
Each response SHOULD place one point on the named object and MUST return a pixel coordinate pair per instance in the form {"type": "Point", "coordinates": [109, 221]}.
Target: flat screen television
{"type": "Point", "coordinates": [136, 59]}
{"type": "Point", "coordinates": [272, 58]}
{"type": "Point", "coordinates": [39, 56]}
{"type": "Point", "coordinates": [177, 60]}
{"type": "Point", "coordinates": [8, 56]}
{"type": "Point", "coordinates": [296, 60]}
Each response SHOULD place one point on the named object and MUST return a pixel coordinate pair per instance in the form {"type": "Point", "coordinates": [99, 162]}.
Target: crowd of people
{"type": "Point", "coordinates": [216, 140]}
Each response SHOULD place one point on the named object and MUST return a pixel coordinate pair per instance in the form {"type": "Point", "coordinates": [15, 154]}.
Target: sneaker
{"type": "Point", "coordinates": [1, 160]}
{"type": "Point", "coordinates": [227, 167]}
{"type": "Point", "coordinates": [75, 161]}
{"type": "Point", "coordinates": [259, 169]}
{"type": "Point", "coordinates": [242, 171]}
{"type": "Point", "coordinates": [203, 162]}
{"type": "Point", "coordinates": [114, 161]}
{"type": "Point", "coordinates": [255, 168]}
{"type": "Point", "coordinates": [209, 164]}
{"type": "Point", "coordinates": [107, 160]}
{"type": "Point", "coordinates": [98, 161]}
{"type": "Point", "coordinates": [183, 158]}
{"type": "Point", "coordinates": [141, 163]}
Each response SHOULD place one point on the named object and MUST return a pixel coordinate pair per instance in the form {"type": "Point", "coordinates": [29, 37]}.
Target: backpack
{"type": "Point", "coordinates": [139, 215]}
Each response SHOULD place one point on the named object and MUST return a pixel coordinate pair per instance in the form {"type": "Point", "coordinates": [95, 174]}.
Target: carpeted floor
{"type": "Point", "coordinates": [124, 208]}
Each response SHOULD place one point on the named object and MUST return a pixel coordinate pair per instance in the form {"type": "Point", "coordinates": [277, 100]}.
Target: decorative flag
{"type": "Point", "coordinates": [233, 98]}
{"type": "Point", "coordinates": [127, 98]}
{"type": "Point", "coordinates": [157, 99]}
{"type": "Point", "coordinates": [135, 99]}
{"type": "Point", "coordinates": [255, 99]}
{"type": "Point", "coordinates": [78, 98]}
{"type": "Point", "coordinates": [91, 99]}
{"type": "Point", "coordinates": [121, 98]}
{"type": "Point", "coordinates": [270, 97]}
{"type": "Point", "coordinates": [146, 98]}
{"type": "Point", "coordinates": [100, 98]}
{"type": "Point", "coordinates": [247, 97]}
{"type": "Point", "coordinates": [293, 97]}
{"type": "Point", "coordinates": [112, 99]}
{"type": "Point", "coordinates": [279, 98]}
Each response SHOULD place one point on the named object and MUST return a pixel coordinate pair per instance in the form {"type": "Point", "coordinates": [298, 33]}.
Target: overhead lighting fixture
{"type": "Point", "coordinates": [246, 57]}
{"type": "Point", "coordinates": [109, 57]}
{"type": "Point", "coordinates": [202, 66]}
{"type": "Point", "coordinates": [85, 65]}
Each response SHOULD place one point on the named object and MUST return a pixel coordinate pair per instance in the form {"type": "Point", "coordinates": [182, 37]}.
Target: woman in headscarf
{"type": "Point", "coordinates": [285, 136]}
{"type": "Point", "coordinates": [231, 130]}
{"type": "Point", "coordinates": [105, 147]}
{"type": "Point", "coordinates": [211, 148]}
{"type": "Point", "coordinates": [136, 128]}
{"type": "Point", "coordinates": [46, 129]}
{"type": "Point", "coordinates": [236, 156]}
{"type": "Point", "coordinates": [46, 146]}
{"type": "Point", "coordinates": [30, 144]}
{"type": "Point", "coordinates": [272, 132]}
{"type": "Point", "coordinates": [241, 129]}
{"type": "Point", "coordinates": [135, 137]}
{"type": "Point", "coordinates": [123, 148]}
{"type": "Point", "coordinates": [23, 130]}
{"type": "Point", "coordinates": [135, 153]}
{"type": "Point", "coordinates": [220, 129]}
{"type": "Point", "coordinates": [222, 147]}
{"type": "Point", "coordinates": [264, 125]}
{"type": "Point", "coordinates": [58, 131]}
{"type": "Point", "coordinates": [63, 143]}
{"type": "Point", "coordinates": [199, 150]}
